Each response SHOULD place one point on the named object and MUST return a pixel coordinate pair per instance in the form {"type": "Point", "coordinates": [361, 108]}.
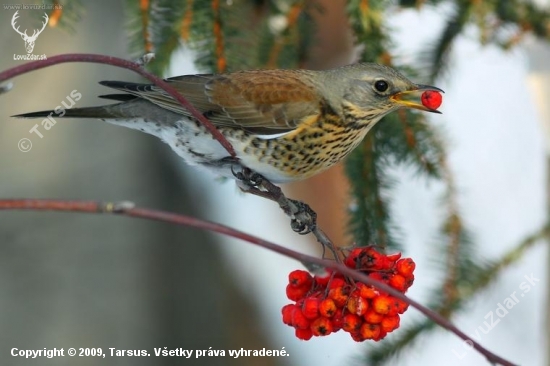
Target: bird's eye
{"type": "Point", "coordinates": [381, 86]}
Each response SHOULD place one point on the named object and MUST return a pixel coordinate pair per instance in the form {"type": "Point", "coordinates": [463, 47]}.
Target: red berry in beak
{"type": "Point", "coordinates": [431, 99]}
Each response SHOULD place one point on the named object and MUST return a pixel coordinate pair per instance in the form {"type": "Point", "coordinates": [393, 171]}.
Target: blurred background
{"type": "Point", "coordinates": [73, 280]}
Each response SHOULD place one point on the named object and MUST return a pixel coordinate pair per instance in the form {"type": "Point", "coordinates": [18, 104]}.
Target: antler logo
{"type": "Point", "coordinates": [29, 40]}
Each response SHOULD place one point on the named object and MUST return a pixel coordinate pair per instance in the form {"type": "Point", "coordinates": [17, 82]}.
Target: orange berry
{"type": "Point", "coordinates": [393, 257]}
{"type": "Point", "coordinates": [390, 323]}
{"type": "Point", "coordinates": [382, 304]}
{"type": "Point", "coordinates": [340, 296]}
{"type": "Point", "coordinates": [401, 306]}
{"type": "Point", "coordinates": [300, 278]}
{"type": "Point", "coordinates": [409, 282]}
{"type": "Point", "coordinates": [351, 323]}
{"type": "Point", "coordinates": [395, 306]}
{"type": "Point", "coordinates": [310, 308]}
{"type": "Point", "coordinates": [380, 276]}
{"type": "Point", "coordinates": [398, 282]}
{"type": "Point", "coordinates": [373, 317]}
{"type": "Point", "coordinates": [376, 260]}
{"type": "Point", "coordinates": [299, 320]}
{"type": "Point", "coordinates": [365, 291]}
{"type": "Point", "coordinates": [370, 331]}
{"type": "Point", "coordinates": [321, 327]}
{"type": "Point", "coordinates": [381, 336]}
{"type": "Point", "coordinates": [384, 264]}
{"type": "Point", "coordinates": [327, 308]}
{"type": "Point", "coordinates": [303, 334]}
{"type": "Point", "coordinates": [405, 267]}
{"type": "Point", "coordinates": [296, 293]}
{"type": "Point", "coordinates": [353, 260]}
{"type": "Point", "coordinates": [336, 282]}
{"type": "Point", "coordinates": [322, 280]}
{"type": "Point", "coordinates": [287, 311]}
{"type": "Point", "coordinates": [357, 305]}
{"type": "Point", "coordinates": [338, 320]}
{"type": "Point", "coordinates": [357, 337]}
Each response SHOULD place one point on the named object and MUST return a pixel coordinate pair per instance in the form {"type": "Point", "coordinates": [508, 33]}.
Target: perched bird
{"type": "Point", "coordinates": [283, 124]}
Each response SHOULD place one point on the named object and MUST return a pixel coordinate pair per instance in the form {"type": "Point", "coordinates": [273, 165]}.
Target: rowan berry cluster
{"type": "Point", "coordinates": [324, 305]}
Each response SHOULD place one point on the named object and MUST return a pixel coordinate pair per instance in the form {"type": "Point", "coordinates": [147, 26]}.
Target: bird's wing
{"type": "Point", "coordinates": [263, 102]}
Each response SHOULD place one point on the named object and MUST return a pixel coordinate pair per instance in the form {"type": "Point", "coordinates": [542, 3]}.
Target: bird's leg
{"type": "Point", "coordinates": [302, 216]}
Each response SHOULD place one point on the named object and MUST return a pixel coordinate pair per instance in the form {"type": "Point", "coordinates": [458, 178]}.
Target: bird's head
{"type": "Point", "coordinates": [370, 91]}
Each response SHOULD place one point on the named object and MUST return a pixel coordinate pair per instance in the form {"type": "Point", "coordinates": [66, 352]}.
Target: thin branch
{"type": "Point", "coordinates": [119, 62]}
{"type": "Point", "coordinates": [489, 275]}
{"type": "Point", "coordinates": [128, 209]}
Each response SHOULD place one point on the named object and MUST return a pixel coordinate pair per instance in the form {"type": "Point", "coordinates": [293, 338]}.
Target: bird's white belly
{"type": "Point", "coordinates": [196, 146]}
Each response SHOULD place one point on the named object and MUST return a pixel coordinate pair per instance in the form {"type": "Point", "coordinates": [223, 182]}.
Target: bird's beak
{"type": "Point", "coordinates": [411, 98]}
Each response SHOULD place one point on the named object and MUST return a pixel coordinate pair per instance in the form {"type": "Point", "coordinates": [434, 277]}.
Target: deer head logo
{"type": "Point", "coordinates": [29, 40]}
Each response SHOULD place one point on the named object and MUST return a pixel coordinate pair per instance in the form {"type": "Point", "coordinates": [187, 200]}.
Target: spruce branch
{"type": "Point", "coordinates": [439, 54]}
{"type": "Point", "coordinates": [282, 36]}
{"type": "Point", "coordinates": [128, 209]}
{"type": "Point", "coordinates": [369, 216]}
{"type": "Point", "coordinates": [422, 144]}
{"type": "Point", "coordinates": [221, 60]}
{"type": "Point", "coordinates": [55, 14]}
{"type": "Point", "coordinates": [187, 21]}
{"type": "Point", "coordinates": [144, 8]}
{"type": "Point", "coordinates": [453, 228]}
{"type": "Point", "coordinates": [64, 14]}
{"type": "Point", "coordinates": [164, 22]}
{"type": "Point", "coordinates": [494, 20]}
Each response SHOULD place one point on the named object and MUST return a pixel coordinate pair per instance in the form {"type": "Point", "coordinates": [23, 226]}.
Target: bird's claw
{"type": "Point", "coordinates": [248, 177]}
{"type": "Point", "coordinates": [304, 220]}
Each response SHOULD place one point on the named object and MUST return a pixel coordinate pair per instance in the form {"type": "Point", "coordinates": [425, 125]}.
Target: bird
{"type": "Point", "coordinates": [284, 125]}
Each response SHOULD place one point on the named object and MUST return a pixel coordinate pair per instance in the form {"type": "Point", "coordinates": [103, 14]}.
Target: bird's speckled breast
{"type": "Point", "coordinates": [320, 142]}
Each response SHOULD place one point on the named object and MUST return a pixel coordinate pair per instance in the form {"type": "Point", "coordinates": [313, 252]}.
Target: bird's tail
{"type": "Point", "coordinates": [100, 112]}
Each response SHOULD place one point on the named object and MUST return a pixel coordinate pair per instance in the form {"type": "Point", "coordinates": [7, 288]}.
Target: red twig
{"type": "Point", "coordinates": [119, 62]}
{"type": "Point", "coordinates": [127, 209]}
